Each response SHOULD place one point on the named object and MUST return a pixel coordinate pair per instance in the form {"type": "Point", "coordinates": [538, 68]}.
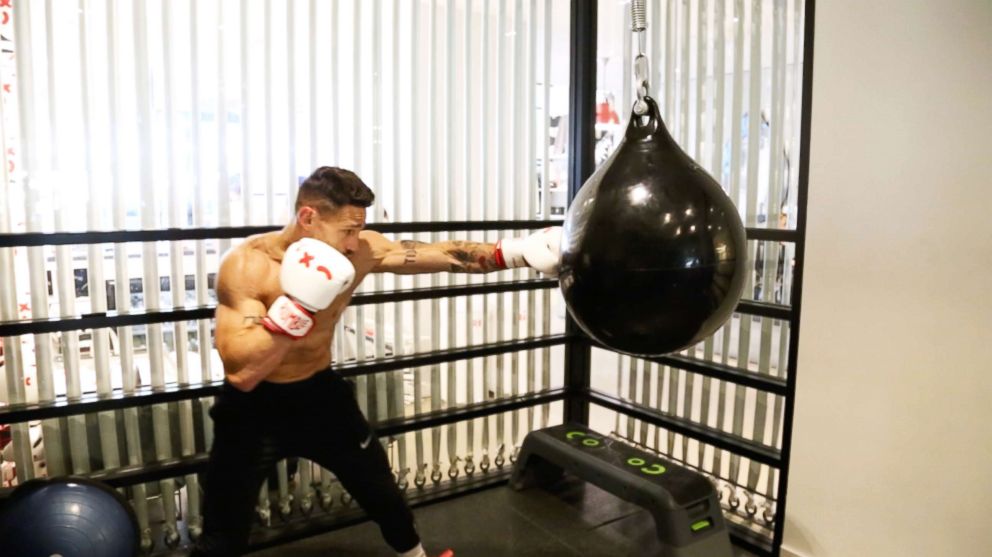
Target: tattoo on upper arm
{"type": "Point", "coordinates": [410, 256]}
{"type": "Point", "coordinates": [253, 319]}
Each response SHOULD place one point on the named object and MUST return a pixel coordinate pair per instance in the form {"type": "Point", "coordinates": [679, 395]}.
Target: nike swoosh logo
{"type": "Point", "coordinates": [365, 444]}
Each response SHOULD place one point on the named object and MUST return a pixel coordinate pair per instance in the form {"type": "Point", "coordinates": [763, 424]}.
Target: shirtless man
{"type": "Point", "coordinates": [279, 297]}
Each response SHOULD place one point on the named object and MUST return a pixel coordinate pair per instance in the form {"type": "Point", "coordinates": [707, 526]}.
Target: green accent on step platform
{"type": "Point", "coordinates": [701, 525]}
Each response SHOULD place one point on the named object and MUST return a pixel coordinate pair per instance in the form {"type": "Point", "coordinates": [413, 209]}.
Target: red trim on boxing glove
{"type": "Point", "coordinates": [276, 327]}
{"type": "Point", "coordinates": [498, 255]}
{"type": "Point", "coordinates": [271, 326]}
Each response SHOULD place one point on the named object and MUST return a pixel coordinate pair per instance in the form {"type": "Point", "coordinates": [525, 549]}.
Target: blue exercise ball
{"type": "Point", "coordinates": [70, 517]}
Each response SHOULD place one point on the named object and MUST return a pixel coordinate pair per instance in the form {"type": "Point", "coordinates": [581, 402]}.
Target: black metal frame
{"type": "Point", "coordinates": [802, 199]}
{"type": "Point", "coordinates": [30, 239]}
{"type": "Point", "coordinates": [582, 98]}
{"type": "Point", "coordinates": [577, 393]}
{"type": "Point", "coordinates": [581, 157]}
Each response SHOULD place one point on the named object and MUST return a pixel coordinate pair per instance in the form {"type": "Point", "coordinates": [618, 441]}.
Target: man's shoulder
{"type": "Point", "coordinates": [371, 245]}
{"type": "Point", "coordinates": [248, 259]}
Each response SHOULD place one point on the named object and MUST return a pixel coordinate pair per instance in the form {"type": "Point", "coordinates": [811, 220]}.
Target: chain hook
{"type": "Point", "coordinates": [639, 24]}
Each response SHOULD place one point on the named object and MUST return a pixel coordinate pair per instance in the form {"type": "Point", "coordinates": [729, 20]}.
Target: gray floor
{"type": "Point", "coordinates": [570, 519]}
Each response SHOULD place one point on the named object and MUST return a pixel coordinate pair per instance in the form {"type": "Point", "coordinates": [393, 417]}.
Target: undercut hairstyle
{"type": "Point", "coordinates": [329, 188]}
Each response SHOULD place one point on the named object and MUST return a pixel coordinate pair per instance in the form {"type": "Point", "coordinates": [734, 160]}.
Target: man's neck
{"type": "Point", "coordinates": [289, 234]}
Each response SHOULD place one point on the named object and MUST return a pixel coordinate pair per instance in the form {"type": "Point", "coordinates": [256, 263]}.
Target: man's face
{"type": "Point", "coordinates": [339, 228]}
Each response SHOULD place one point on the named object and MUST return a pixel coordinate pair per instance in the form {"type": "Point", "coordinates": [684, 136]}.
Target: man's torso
{"type": "Point", "coordinates": [311, 353]}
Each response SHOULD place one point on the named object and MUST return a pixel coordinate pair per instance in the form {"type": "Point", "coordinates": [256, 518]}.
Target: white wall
{"type": "Point", "coordinates": [893, 431]}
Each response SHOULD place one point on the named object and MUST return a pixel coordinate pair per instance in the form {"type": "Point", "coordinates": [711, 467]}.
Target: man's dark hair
{"type": "Point", "coordinates": [329, 188]}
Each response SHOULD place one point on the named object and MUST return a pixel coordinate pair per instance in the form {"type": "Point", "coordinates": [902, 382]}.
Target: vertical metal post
{"type": "Point", "coordinates": [434, 213]}
{"type": "Point", "coordinates": [177, 281]}
{"type": "Point", "coordinates": [519, 188]}
{"type": "Point", "coordinates": [546, 192]}
{"type": "Point", "coordinates": [468, 133]}
{"type": "Point", "coordinates": [797, 276]}
{"type": "Point", "coordinates": [415, 172]}
{"type": "Point", "coordinates": [581, 154]}
{"type": "Point", "coordinates": [451, 214]}
{"type": "Point", "coordinates": [68, 340]}
{"type": "Point", "coordinates": [223, 187]}
{"type": "Point", "coordinates": [530, 179]}
{"type": "Point", "coordinates": [500, 187]}
{"type": "Point", "coordinates": [397, 377]}
{"type": "Point", "coordinates": [270, 206]}
{"type": "Point", "coordinates": [54, 456]}
{"type": "Point", "coordinates": [487, 362]}
{"type": "Point", "coordinates": [245, 117]}
{"type": "Point", "coordinates": [13, 357]}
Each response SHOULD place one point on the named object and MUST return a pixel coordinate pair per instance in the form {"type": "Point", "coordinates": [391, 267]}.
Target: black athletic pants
{"type": "Point", "coordinates": [318, 419]}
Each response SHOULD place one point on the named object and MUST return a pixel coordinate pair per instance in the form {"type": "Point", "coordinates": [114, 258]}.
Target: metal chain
{"type": "Point", "coordinates": [639, 25]}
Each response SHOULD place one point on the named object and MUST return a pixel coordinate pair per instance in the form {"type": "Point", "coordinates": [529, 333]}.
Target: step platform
{"type": "Point", "coordinates": [684, 504]}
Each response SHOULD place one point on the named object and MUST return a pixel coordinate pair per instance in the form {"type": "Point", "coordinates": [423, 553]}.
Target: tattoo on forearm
{"type": "Point", "coordinates": [468, 257]}
{"type": "Point", "coordinates": [254, 319]}
{"type": "Point", "coordinates": [471, 257]}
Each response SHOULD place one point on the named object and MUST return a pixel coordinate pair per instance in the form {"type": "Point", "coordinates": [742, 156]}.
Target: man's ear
{"type": "Point", "coordinates": [306, 217]}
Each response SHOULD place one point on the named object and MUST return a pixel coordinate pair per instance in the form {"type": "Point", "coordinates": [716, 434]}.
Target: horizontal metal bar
{"type": "Point", "coordinates": [143, 396]}
{"type": "Point", "coordinates": [114, 319]}
{"type": "Point", "coordinates": [25, 239]}
{"type": "Point", "coordinates": [738, 376]}
{"type": "Point", "coordinates": [181, 466]}
{"type": "Point", "coordinates": [125, 236]}
{"type": "Point", "coordinates": [102, 320]}
{"type": "Point", "coordinates": [453, 291]}
{"type": "Point", "coordinates": [230, 232]}
{"type": "Point", "coordinates": [152, 471]}
{"type": "Point", "coordinates": [461, 226]}
{"type": "Point", "coordinates": [772, 235]}
{"type": "Point", "coordinates": [454, 354]}
{"type": "Point", "coordinates": [765, 309]}
{"type": "Point", "coordinates": [92, 402]}
{"type": "Point", "coordinates": [469, 412]}
{"type": "Point", "coordinates": [720, 439]}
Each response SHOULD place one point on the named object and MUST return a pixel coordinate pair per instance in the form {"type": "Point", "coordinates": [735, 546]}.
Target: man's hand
{"type": "Point", "coordinates": [540, 250]}
{"type": "Point", "coordinates": [313, 274]}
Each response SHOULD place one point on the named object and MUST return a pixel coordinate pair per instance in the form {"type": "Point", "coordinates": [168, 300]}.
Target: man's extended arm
{"type": "Point", "coordinates": [411, 256]}
{"type": "Point", "coordinates": [539, 250]}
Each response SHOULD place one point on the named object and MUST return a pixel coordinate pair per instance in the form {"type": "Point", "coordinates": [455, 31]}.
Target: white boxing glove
{"type": "Point", "coordinates": [541, 251]}
{"type": "Point", "coordinates": [312, 275]}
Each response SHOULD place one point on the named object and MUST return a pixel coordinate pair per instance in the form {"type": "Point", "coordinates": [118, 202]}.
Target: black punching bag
{"type": "Point", "coordinates": [653, 250]}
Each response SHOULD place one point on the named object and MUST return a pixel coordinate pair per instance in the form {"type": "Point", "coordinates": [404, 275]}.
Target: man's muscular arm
{"type": "Point", "coordinates": [249, 351]}
{"type": "Point", "coordinates": [412, 257]}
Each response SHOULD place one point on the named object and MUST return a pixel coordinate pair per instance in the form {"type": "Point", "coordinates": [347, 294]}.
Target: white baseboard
{"type": "Point", "coordinates": [786, 552]}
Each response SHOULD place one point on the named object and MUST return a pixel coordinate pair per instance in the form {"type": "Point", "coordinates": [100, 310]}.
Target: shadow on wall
{"type": "Point", "coordinates": [799, 541]}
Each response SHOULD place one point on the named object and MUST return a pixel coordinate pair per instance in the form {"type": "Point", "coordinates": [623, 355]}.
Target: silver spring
{"type": "Point", "coordinates": [639, 17]}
